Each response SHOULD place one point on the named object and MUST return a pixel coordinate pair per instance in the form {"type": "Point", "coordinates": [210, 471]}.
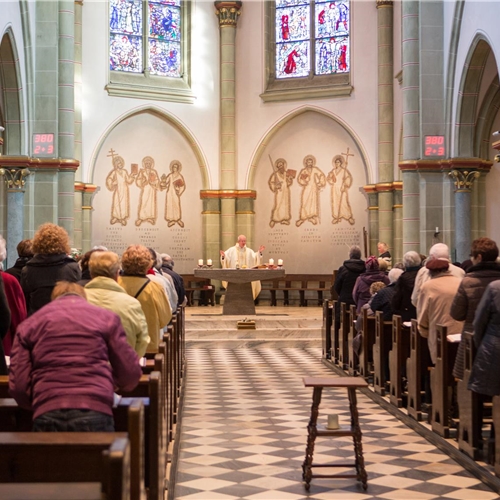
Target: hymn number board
{"type": "Point", "coordinates": [434, 145]}
{"type": "Point", "coordinates": [43, 145]}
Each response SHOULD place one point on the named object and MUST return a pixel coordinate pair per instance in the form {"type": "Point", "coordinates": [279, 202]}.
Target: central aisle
{"type": "Point", "coordinates": [243, 435]}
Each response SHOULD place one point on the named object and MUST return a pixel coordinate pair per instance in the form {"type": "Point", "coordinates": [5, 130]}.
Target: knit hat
{"type": "Point", "coordinates": [371, 263]}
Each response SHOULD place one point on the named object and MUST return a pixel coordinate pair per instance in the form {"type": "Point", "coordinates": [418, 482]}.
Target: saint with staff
{"type": "Point", "coordinates": [279, 183]}
{"type": "Point", "coordinates": [341, 180]}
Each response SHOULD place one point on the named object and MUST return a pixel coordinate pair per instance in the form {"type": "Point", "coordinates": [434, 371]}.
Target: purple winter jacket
{"type": "Point", "coordinates": [361, 292]}
{"type": "Point", "coordinates": [71, 355]}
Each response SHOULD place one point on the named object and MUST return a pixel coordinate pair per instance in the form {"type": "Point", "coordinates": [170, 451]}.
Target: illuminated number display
{"type": "Point", "coordinates": [43, 144]}
{"type": "Point", "coordinates": [434, 145]}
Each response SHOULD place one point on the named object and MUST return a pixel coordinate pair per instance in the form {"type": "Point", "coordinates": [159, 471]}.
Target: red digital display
{"type": "Point", "coordinates": [434, 145]}
{"type": "Point", "coordinates": [43, 144]}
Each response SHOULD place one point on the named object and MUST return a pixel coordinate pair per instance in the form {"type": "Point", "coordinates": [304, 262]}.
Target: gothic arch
{"type": "Point", "coordinates": [259, 150]}
{"type": "Point", "coordinates": [12, 99]}
{"type": "Point", "coordinates": [468, 94]}
{"type": "Point", "coordinates": [176, 123]}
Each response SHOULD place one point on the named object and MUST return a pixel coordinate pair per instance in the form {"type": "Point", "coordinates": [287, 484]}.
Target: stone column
{"type": "Point", "coordinates": [78, 202]}
{"type": "Point", "coordinates": [88, 193]}
{"type": "Point", "coordinates": [463, 180]}
{"type": "Point", "coordinates": [411, 125]}
{"type": "Point", "coordinates": [15, 179]}
{"type": "Point", "coordinates": [78, 87]}
{"type": "Point", "coordinates": [65, 196]}
{"type": "Point", "coordinates": [385, 28]}
{"type": "Point", "coordinates": [371, 191]}
{"type": "Point", "coordinates": [397, 254]}
{"type": "Point", "coordinates": [228, 13]}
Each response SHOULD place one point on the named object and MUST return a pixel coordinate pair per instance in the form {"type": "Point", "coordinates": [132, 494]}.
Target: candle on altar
{"type": "Point", "coordinates": [271, 262]}
{"type": "Point", "coordinates": [280, 262]}
{"type": "Point", "coordinates": [209, 262]}
{"type": "Point", "coordinates": [200, 262]}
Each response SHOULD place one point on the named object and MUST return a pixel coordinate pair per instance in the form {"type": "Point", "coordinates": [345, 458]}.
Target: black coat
{"type": "Point", "coordinates": [16, 269]}
{"type": "Point", "coordinates": [41, 274]}
{"type": "Point", "coordinates": [178, 284]}
{"type": "Point", "coordinates": [401, 300]}
{"type": "Point", "coordinates": [346, 278]}
{"type": "Point", "coordinates": [382, 301]}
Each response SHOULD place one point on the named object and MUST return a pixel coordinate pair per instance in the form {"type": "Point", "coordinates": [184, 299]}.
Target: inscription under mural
{"type": "Point", "coordinates": [347, 236]}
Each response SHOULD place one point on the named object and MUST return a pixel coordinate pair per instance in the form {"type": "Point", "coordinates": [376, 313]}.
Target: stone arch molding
{"type": "Point", "coordinates": [259, 151]}
{"type": "Point", "coordinates": [174, 122]}
{"type": "Point", "coordinates": [468, 96]}
{"type": "Point", "coordinates": [10, 78]}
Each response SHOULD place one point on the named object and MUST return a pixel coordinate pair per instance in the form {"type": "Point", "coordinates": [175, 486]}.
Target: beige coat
{"type": "Point", "coordinates": [433, 308]}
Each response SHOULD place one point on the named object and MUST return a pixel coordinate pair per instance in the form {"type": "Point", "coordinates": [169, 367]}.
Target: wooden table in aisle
{"type": "Point", "coordinates": [239, 297]}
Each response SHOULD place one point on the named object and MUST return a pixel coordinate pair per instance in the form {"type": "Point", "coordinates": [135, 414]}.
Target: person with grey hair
{"type": "Point", "coordinates": [383, 300]}
{"type": "Point", "coordinates": [438, 251]}
{"type": "Point", "coordinates": [348, 274]}
{"type": "Point", "coordinates": [167, 268]}
{"type": "Point", "coordinates": [165, 281]}
{"type": "Point", "coordinates": [401, 300]}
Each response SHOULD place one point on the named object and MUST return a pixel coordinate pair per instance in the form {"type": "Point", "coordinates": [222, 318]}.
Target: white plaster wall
{"type": "Point", "coordinates": [101, 112]}
{"type": "Point", "coordinates": [255, 119]}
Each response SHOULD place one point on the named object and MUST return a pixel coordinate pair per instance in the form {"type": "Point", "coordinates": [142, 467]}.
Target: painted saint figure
{"type": "Point", "coordinates": [341, 180]}
{"type": "Point", "coordinates": [175, 185]}
{"type": "Point", "coordinates": [149, 183]}
{"type": "Point", "coordinates": [118, 181]}
{"type": "Point", "coordinates": [279, 183]}
{"type": "Point", "coordinates": [312, 180]}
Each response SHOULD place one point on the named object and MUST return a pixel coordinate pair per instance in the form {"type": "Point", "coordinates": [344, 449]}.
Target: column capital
{"type": "Point", "coordinates": [227, 12]}
{"type": "Point", "coordinates": [15, 177]}
{"type": "Point", "coordinates": [464, 179]}
{"type": "Point", "coordinates": [384, 3]}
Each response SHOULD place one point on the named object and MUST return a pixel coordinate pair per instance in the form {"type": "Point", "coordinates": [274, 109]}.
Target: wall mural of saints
{"type": "Point", "coordinates": [341, 180]}
{"type": "Point", "coordinates": [175, 185]}
{"type": "Point", "coordinates": [118, 181]}
{"type": "Point", "coordinates": [149, 183]}
{"type": "Point", "coordinates": [312, 181]}
{"type": "Point", "coordinates": [279, 183]}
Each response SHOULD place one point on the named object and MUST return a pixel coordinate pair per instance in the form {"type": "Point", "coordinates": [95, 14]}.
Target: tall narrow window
{"type": "Point", "coordinates": [148, 41]}
{"type": "Point", "coordinates": [308, 46]}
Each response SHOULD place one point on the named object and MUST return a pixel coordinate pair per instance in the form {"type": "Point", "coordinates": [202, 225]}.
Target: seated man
{"type": "Point", "coordinates": [240, 256]}
{"type": "Point", "coordinates": [66, 361]}
{"type": "Point", "coordinates": [104, 291]}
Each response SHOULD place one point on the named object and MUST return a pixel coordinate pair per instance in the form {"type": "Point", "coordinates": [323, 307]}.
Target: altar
{"type": "Point", "coordinates": [239, 297]}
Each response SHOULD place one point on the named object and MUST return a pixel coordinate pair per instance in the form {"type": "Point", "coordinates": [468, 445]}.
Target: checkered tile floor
{"type": "Point", "coordinates": [243, 436]}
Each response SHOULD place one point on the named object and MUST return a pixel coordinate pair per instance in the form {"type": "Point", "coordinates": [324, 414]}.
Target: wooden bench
{"type": "Point", "coordinates": [68, 459]}
{"type": "Point", "coordinates": [335, 331]}
{"type": "Point", "coordinates": [367, 341]}
{"type": "Point", "coordinates": [381, 348]}
{"type": "Point", "coordinates": [345, 325]}
{"type": "Point", "coordinates": [352, 366]}
{"type": "Point", "coordinates": [199, 289]}
{"type": "Point", "coordinates": [326, 329]}
{"type": "Point", "coordinates": [398, 355]}
{"type": "Point", "coordinates": [301, 284]}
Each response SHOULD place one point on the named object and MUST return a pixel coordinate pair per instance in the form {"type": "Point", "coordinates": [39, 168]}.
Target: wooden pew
{"type": "Point", "coordinates": [335, 331]}
{"type": "Point", "coordinates": [150, 387]}
{"type": "Point", "coordinates": [204, 288]}
{"type": "Point", "coordinates": [383, 335]}
{"type": "Point", "coordinates": [469, 434]}
{"type": "Point", "coordinates": [368, 339]}
{"type": "Point", "coordinates": [4, 386]}
{"type": "Point", "coordinates": [398, 355]}
{"type": "Point", "coordinates": [68, 459]}
{"type": "Point", "coordinates": [352, 366]}
{"type": "Point", "coordinates": [343, 336]}
{"type": "Point", "coordinates": [326, 329]}
{"type": "Point", "coordinates": [496, 424]}
{"type": "Point", "coordinates": [301, 284]}
{"type": "Point", "coordinates": [442, 383]}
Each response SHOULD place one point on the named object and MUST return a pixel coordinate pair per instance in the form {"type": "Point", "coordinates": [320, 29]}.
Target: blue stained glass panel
{"type": "Point", "coordinates": [164, 21]}
{"type": "Point", "coordinates": [288, 3]}
{"type": "Point", "coordinates": [125, 17]}
{"type": "Point", "coordinates": [332, 55]}
{"type": "Point", "coordinates": [292, 24]}
{"type": "Point", "coordinates": [332, 18]}
{"type": "Point", "coordinates": [292, 59]}
{"type": "Point", "coordinates": [125, 53]}
{"type": "Point", "coordinates": [164, 58]}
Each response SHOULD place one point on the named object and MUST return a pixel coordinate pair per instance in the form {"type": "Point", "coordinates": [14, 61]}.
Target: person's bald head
{"type": "Point", "coordinates": [242, 240]}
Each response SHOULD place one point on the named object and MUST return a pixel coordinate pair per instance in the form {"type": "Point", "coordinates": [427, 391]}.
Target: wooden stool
{"type": "Point", "coordinates": [351, 384]}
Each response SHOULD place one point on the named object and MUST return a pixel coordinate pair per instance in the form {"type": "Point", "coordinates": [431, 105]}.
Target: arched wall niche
{"type": "Point", "coordinates": [11, 101]}
{"type": "Point", "coordinates": [309, 218]}
{"type": "Point", "coordinates": [142, 197]}
{"type": "Point", "coordinates": [468, 97]}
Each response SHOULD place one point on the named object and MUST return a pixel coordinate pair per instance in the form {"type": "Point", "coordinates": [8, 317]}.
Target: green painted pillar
{"type": "Point", "coordinates": [411, 208]}
{"type": "Point", "coordinates": [373, 231]}
{"type": "Point", "coordinates": [88, 194]}
{"type": "Point", "coordinates": [77, 67]}
{"type": "Point", "coordinates": [211, 226]}
{"type": "Point", "coordinates": [78, 215]}
{"type": "Point", "coordinates": [397, 254]}
{"type": "Point", "coordinates": [228, 13]}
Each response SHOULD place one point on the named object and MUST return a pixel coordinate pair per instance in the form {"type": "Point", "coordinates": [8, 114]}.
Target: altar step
{"type": "Point", "coordinates": [270, 331]}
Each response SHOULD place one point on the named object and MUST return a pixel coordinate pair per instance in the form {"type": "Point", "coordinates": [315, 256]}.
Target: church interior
{"type": "Point", "coordinates": [308, 126]}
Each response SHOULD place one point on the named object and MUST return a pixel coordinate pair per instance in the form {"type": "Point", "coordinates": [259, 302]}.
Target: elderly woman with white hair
{"type": "Point", "coordinates": [401, 300]}
{"type": "Point", "coordinates": [382, 301]}
{"type": "Point", "coordinates": [15, 301]}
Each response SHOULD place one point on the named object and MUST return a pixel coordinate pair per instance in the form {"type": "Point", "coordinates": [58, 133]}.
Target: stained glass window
{"type": "Point", "coordinates": [146, 36]}
{"type": "Point", "coordinates": [312, 38]}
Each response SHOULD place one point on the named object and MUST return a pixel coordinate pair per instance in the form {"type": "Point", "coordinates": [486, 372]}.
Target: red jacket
{"type": "Point", "coordinates": [17, 306]}
{"type": "Point", "coordinates": [71, 355]}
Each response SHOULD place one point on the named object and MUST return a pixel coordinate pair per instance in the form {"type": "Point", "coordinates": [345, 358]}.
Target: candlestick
{"type": "Point", "coordinates": [200, 262]}
{"type": "Point", "coordinates": [271, 262]}
{"type": "Point", "coordinates": [209, 262]}
{"type": "Point", "coordinates": [280, 262]}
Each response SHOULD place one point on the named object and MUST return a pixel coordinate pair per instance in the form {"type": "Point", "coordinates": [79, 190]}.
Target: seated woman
{"type": "Point", "coordinates": [66, 361]}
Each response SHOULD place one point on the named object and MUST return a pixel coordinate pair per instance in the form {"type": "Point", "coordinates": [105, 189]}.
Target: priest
{"type": "Point", "coordinates": [242, 257]}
